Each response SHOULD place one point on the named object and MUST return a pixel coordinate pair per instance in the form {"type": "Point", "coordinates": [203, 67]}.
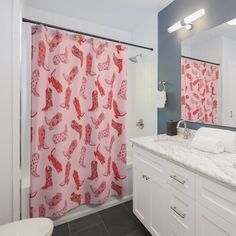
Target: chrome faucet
{"type": "Point", "coordinates": [186, 130]}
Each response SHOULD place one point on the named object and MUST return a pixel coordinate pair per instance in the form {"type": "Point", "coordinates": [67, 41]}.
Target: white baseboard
{"type": "Point", "coordinates": [88, 210]}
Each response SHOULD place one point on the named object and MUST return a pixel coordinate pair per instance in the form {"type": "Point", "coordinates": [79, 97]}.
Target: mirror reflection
{"type": "Point", "coordinates": [208, 76]}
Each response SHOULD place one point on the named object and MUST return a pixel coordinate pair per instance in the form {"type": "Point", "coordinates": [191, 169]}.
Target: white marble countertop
{"type": "Point", "coordinates": [220, 167]}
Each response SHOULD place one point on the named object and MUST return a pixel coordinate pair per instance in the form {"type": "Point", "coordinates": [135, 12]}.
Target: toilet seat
{"type": "Point", "coordinates": [28, 227]}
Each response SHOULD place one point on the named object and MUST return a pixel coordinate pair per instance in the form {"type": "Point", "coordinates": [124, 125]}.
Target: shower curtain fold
{"type": "Point", "coordinates": [78, 121]}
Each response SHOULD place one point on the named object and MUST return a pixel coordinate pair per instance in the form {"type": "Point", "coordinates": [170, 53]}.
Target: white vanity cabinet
{"type": "Point", "coordinates": [173, 201]}
{"type": "Point", "coordinates": [149, 193]}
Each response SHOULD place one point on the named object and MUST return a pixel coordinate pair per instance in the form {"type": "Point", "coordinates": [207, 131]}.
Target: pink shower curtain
{"type": "Point", "coordinates": [78, 131]}
{"type": "Point", "coordinates": [199, 91]}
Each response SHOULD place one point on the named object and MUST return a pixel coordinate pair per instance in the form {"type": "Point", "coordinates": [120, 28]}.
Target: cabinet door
{"type": "Point", "coordinates": [140, 196]}
{"type": "Point", "coordinates": [157, 206]}
{"type": "Point", "coordinates": [208, 223]}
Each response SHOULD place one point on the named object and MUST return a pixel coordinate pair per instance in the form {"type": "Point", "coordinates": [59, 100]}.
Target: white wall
{"type": "Point", "coordinates": [6, 112]}
{"type": "Point", "coordinates": [144, 78]}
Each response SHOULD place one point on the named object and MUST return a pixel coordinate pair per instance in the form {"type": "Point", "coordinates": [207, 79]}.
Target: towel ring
{"type": "Point", "coordinates": [163, 83]}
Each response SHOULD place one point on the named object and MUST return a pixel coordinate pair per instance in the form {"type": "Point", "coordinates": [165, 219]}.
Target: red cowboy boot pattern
{"type": "Point", "coordinates": [97, 192]}
{"type": "Point", "coordinates": [71, 149]}
{"type": "Point", "coordinates": [108, 173]}
{"type": "Point", "coordinates": [54, 42]}
{"type": "Point", "coordinates": [75, 198]}
{"type": "Point", "coordinates": [55, 162]}
{"type": "Point", "coordinates": [105, 65]}
{"type": "Point", "coordinates": [94, 101]}
{"type": "Point", "coordinates": [56, 119]}
{"type": "Point", "coordinates": [87, 197]}
{"type": "Point", "coordinates": [99, 86]}
{"type": "Point", "coordinates": [48, 176]}
{"type": "Point", "coordinates": [117, 126]}
{"type": "Point", "coordinates": [116, 172]}
{"type": "Point", "coordinates": [34, 82]}
{"type": "Point", "coordinates": [109, 148]}
{"type": "Point", "coordinates": [41, 210]}
{"type": "Point", "coordinates": [122, 92]}
{"type": "Point", "coordinates": [88, 134]}
{"type": "Point", "coordinates": [104, 133]}
{"type": "Point", "coordinates": [54, 200]}
{"type": "Point", "coordinates": [61, 137]}
{"type": "Point", "coordinates": [67, 174]}
{"type": "Point", "coordinates": [49, 103]}
{"type": "Point", "coordinates": [61, 58]}
{"type": "Point", "coordinates": [99, 50]}
{"type": "Point", "coordinates": [99, 155]}
{"type": "Point", "coordinates": [77, 127]}
{"type": "Point", "coordinates": [109, 101]}
{"type": "Point", "coordinates": [118, 62]}
{"type": "Point", "coordinates": [117, 188]}
{"type": "Point", "coordinates": [117, 111]}
{"type": "Point", "coordinates": [111, 81]}
{"type": "Point", "coordinates": [78, 53]}
{"type": "Point", "coordinates": [80, 114]}
{"type": "Point", "coordinates": [94, 171]}
{"type": "Point", "coordinates": [55, 83]}
{"type": "Point", "coordinates": [41, 138]}
{"type": "Point", "coordinates": [82, 156]}
{"type": "Point", "coordinates": [89, 62]}
{"type": "Point", "coordinates": [66, 104]}
{"type": "Point", "coordinates": [99, 120]}
{"type": "Point", "coordinates": [78, 183]}
{"type": "Point", "coordinates": [83, 88]}
{"type": "Point", "coordinates": [42, 55]}
{"type": "Point", "coordinates": [34, 164]}
{"type": "Point", "coordinates": [121, 156]}
{"type": "Point", "coordinates": [61, 212]}
{"type": "Point", "coordinates": [78, 142]}
{"type": "Point", "coordinates": [73, 73]}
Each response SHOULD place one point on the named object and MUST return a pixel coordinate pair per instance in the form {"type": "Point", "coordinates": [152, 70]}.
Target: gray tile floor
{"type": "Point", "coordinates": [115, 221]}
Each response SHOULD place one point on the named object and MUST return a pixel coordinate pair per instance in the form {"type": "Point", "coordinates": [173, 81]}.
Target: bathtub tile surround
{"type": "Point", "coordinates": [220, 167]}
{"type": "Point", "coordinates": [115, 221]}
{"type": "Point", "coordinates": [169, 47]}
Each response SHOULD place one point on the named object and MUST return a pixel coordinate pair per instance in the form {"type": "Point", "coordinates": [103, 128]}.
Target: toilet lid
{"type": "Point", "coordinates": [28, 227]}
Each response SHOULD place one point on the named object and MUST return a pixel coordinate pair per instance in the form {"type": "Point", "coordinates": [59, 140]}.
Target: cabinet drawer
{"type": "Point", "coordinates": [181, 211]}
{"type": "Point", "coordinates": [148, 168]}
{"type": "Point", "coordinates": [181, 179]}
{"type": "Point", "coordinates": [217, 198]}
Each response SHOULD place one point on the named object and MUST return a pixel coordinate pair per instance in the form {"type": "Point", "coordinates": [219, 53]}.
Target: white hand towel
{"type": "Point", "coordinates": [161, 99]}
{"type": "Point", "coordinates": [227, 137]}
{"type": "Point", "coordinates": [207, 144]}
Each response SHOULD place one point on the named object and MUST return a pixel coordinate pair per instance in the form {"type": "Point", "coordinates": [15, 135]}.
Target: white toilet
{"type": "Point", "coordinates": [28, 227]}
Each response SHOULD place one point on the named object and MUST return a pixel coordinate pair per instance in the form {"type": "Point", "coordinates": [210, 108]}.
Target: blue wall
{"type": "Point", "coordinates": [169, 47]}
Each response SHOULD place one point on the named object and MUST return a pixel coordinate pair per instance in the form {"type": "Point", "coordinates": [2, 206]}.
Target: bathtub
{"type": "Point", "coordinates": [83, 210]}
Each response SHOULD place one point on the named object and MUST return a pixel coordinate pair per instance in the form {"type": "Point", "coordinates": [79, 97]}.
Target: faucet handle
{"type": "Point", "coordinates": [187, 133]}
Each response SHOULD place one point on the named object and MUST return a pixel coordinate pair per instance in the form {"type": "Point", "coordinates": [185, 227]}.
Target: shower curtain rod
{"type": "Point", "coordinates": [86, 34]}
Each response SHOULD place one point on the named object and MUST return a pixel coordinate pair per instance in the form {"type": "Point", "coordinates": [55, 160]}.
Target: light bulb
{"type": "Point", "coordinates": [175, 27]}
{"type": "Point", "coordinates": [189, 19]}
{"type": "Point", "coordinates": [232, 22]}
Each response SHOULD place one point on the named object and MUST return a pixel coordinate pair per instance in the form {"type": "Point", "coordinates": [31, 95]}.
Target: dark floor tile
{"type": "Point", "coordinates": [119, 221]}
{"type": "Point", "coordinates": [84, 223]}
{"type": "Point", "coordinates": [129, 206]}
{"type": "Point", "coordinates": [140, 232]}
{"type": "Point", "coordinates": [61, 230]}
{"type": "Point", "coordinates": [98, 230]}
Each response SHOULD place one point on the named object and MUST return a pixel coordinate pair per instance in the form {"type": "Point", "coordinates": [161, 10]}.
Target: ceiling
{"type": "Point", "coordinates": [120, 14]}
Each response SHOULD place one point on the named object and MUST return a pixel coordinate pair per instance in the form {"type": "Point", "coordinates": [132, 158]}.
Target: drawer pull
{"type": "Point", "coordinates": [174, 177]}
{"type": "Point", "coordinates": [182, 215]}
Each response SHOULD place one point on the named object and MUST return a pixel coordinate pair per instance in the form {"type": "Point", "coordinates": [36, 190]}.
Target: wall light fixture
{"type": "Point", "coordinates": [187, 22]}
{"type": "Point", "coordinates": [232, 22]}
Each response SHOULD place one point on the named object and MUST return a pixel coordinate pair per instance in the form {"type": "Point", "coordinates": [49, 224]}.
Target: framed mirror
{"type": "Point", "coordinates": [208, 76]}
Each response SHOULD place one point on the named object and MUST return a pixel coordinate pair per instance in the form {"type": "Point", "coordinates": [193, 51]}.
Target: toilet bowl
{"type": "Point", "coordinates": [28, 227]}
